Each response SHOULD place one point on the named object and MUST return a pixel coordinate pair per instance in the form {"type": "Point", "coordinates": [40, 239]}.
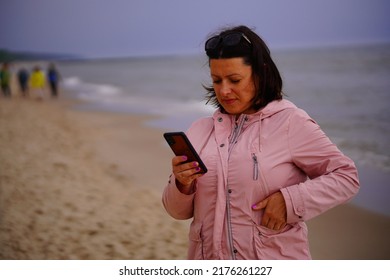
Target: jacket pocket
{"type": "Point", "coordinates": [257, 173]}
{"type": "Point", "coordinates": [291, 242]}
{"type": "Point", "coordinates": [195, 250]}
{"type": "Point", "coordinates": [255, 167]}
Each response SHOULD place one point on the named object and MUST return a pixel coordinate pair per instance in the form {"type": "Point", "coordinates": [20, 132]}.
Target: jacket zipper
{"type": "Point", "coordinates": [229, 226]}
{"type": "Point", "coordinates": [255, 167]}
{"type": "Point", "coordinates": [257, 175]}
{"type": "Point", "coordinates": [236, 133]}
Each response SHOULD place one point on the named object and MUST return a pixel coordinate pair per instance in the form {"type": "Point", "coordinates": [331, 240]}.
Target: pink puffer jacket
{"type": "Point", "coordinates": [278, 148]}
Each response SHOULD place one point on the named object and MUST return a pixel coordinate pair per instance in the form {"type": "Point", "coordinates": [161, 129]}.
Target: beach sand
{"type": "Point", "coordinates": [87, 185]}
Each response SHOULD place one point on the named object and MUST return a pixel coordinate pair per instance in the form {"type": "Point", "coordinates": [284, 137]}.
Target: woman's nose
{"type": "Point", "coordinates": [225, 88]}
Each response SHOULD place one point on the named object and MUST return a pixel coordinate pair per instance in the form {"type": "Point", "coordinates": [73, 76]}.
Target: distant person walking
{"type": "Point", "coordinates": [5, 80]}
{"type": "Point", "coordinates": [23, 81]}
{"type": "Point", "coordinates": [53, 76]}
{"type": "Point", "coordinates": [37, 82]}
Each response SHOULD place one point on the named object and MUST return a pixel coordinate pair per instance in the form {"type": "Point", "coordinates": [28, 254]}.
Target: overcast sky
{"type": "Point", "coordinates": [97, 28]}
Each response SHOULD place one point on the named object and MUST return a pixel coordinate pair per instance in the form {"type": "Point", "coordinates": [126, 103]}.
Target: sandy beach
{"type": "Point", "coordinates": [87, 185]}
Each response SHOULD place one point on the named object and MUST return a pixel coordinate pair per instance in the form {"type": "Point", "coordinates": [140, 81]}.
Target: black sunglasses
{"type": "Point", "coordinates": [228, 40]}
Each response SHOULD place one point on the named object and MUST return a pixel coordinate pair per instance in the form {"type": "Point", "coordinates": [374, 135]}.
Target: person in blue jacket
{"type": "Point", "coordinates": [53, 76]}
{"type": "Point", "coordinates": [23, 77]}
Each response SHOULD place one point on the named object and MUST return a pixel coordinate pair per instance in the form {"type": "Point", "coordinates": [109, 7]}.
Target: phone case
{"type": "Point", "coordinates": [180, 146]}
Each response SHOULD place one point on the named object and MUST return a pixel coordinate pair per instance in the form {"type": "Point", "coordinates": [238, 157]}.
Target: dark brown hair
{"type": "Point", "coordinates": [258, 56]}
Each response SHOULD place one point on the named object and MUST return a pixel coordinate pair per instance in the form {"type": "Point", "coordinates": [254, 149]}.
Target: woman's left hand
{"type": "Point", "coordinates": [275, 213]}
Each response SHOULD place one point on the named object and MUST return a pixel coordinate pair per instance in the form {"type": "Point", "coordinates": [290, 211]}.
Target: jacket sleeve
{"type": "Point", "coordinates": [181, 206]}
{"type": "Point", "coordinates": [332, 176]}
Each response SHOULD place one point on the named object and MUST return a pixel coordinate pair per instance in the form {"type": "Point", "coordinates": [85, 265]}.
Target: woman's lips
{"type": "Point", "coordinates": [228, 101]}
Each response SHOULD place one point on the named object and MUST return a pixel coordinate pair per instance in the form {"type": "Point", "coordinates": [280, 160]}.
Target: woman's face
{"type": "Point", "coordinates": [233, 85]}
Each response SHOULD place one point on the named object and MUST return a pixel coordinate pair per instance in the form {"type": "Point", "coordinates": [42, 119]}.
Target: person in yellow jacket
{"type": "Point", "coordinates": [37, 82]}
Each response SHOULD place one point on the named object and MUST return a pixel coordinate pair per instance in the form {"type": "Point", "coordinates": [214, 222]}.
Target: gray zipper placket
{"type": "Point", "coordinates": [255, 167]}
{"type": "Point", "coordinates": [232, 142]}
{"type": "Point", "coordinates": [257, 175]}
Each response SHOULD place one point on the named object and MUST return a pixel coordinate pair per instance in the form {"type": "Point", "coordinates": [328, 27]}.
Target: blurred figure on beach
{"type": "Point", "coordinates": [23, 81]}
{"type": "Point", "coordinates": [54, 77]}
{"type": "Point", "coordinates": [37, 82]}
{"type": "Point", "coordinates": [5, 78]}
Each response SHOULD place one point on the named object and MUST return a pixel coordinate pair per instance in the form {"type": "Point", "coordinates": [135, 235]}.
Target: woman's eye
{"type": "Point", "coordinates": [216, 81]}
{"type": "Point", "coordinates": [235, 81]}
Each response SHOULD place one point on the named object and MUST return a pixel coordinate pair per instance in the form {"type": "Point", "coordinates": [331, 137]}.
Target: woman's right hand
{"type": "Point", "coordinates": [185, 173]}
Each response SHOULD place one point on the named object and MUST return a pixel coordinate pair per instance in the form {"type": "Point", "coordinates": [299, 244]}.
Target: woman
{"type": "Point", "coordinates": [271, 167]}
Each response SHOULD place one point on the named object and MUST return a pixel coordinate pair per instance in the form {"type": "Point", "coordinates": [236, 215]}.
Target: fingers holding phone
{"type": "Point", "coordinates": [181, 146]}
{"type": "Point", "coordinates": [187, 165]}
{"type": "Point", "coordinates": [185, 173]}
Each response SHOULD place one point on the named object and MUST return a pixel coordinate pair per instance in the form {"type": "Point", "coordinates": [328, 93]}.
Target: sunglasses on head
{"type": "Point", "coordinates": [228, 40]}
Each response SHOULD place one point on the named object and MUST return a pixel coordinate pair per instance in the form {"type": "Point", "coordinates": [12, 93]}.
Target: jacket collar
{"type": "Point", "coordinates": [225, 123]}
{"type": "Point", "coordinates": [269, 110]}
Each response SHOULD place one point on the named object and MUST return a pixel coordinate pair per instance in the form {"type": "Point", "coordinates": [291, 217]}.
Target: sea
{"type": "Point", "coordinates": [345, 89]}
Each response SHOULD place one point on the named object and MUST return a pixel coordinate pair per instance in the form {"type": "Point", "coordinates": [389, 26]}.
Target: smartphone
{"type": "Point", "coordinates": [181, 146]}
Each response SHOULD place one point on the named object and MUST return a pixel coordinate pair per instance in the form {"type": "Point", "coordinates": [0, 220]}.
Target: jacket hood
{"type": "Point", "coordinates": [275, 107]}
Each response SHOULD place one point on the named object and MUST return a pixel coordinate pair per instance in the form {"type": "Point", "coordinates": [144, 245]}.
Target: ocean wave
{"type": "Point", "coordinates": [91, 91]}
{"type": "Point", "coordinates": [111, 98]}
{"type": "Point", "coordinates": [364, 153]}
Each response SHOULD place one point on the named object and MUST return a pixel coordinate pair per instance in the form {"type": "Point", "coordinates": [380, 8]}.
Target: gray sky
{"type": "Point", "coordinates": [97, 28]}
